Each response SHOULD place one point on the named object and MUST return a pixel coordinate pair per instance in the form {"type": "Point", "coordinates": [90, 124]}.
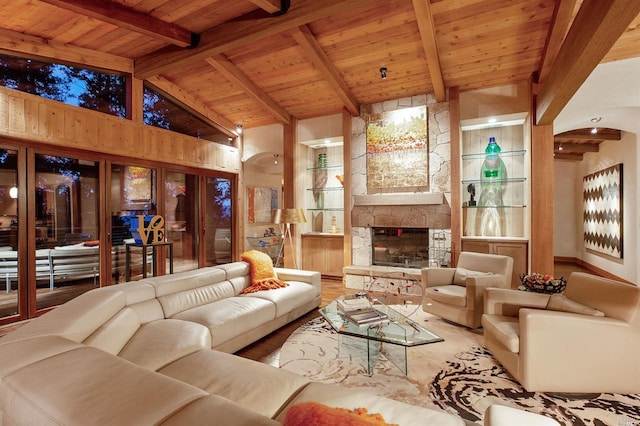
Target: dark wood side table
{"type": "Point", "coordinates": [144, 247]}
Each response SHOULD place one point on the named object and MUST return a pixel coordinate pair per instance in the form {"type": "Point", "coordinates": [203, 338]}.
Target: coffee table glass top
{"type": "Point", "coordinates": [400, 329]}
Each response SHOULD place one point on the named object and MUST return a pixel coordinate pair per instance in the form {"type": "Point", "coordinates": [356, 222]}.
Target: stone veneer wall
{"type": "Point", "coordinates": [432, 216]}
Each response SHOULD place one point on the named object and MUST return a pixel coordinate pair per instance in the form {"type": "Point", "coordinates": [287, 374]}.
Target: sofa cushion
{"type": "Point", "coordinates": [461, 274]}
{"type": "Point", "coordinates": [215, 410]}
{"type": "Point", "coordinates": [234, 378]}
{"type": "Point", "coordinates": [69, 389]}
{"type": "Point", "coordinates": [449, 294]}
{"type": "Point", "coordinates": [560, 302]}
{"type": "Point", "coordinates": [114, 334]}
{"type": "Point", "coordinates": [288, 298]}
{"type": "Point", "coordinates": [161, 342]}
{"type": "Point", "coordinates": [231, 317]}
{"type": "Point", "coordinates": [504, 329]}
{"type": "Point", "coordinates": [186, 299]}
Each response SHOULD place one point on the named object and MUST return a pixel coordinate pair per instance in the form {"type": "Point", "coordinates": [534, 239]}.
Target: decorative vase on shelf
{"type": "Point", "coordinates": [492, 176]}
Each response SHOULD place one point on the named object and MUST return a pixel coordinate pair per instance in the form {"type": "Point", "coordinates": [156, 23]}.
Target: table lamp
{"type": "Point", "coordinates": [289, 216]}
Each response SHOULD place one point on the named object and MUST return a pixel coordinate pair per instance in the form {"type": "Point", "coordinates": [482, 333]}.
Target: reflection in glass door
{"type": "Point", "coordinates": [181, 219]}
{"type": "Point", "coordinates": [67, 248]}
{"type": "Point", "coordinates": [133, 193]}
{"type": "Point", "coordinates": [8, 232]}
{"type": "Point", "coordinates": [218, 214]}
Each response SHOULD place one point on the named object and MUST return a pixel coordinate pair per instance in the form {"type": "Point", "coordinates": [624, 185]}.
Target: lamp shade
{"type": "Point", "coordinates": [288, 216]}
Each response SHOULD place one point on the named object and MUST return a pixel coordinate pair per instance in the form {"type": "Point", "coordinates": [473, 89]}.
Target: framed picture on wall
{"type": "Point", "coordinates": [260, 203]}
{"type": "Point", "coordinates": [398, 150]}
{"type": "Point", "coordinates": [602, 201]}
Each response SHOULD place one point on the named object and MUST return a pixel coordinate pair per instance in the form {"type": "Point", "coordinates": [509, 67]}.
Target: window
{"type": "Point", "coordinates": [160, 111]}
{"type": "Point", "coordinates": [95, 90]}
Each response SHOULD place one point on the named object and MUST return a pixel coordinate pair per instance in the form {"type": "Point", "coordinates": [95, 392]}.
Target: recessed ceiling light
{"type": "Point", "coordinates": [594, 130]}
{"type": "Point", "coordinates": [492, 120]}
{"type": "Point", "coordinates": [596, 119]}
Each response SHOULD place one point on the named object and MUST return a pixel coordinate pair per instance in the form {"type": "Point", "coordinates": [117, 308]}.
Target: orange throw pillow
{"type": "Point", "coordinates": [263, 276]}
{"type": "Point", "coordinates": [316, 414]}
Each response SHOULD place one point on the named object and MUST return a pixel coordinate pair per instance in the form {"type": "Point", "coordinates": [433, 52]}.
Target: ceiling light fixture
{"type": "Point", "coordinates": [560, 148]}
{"type": "Point", "coordinates": [239, 129]}
{"type": "Point", "coordinates": [383, 73]}
{"type": "Point", "coordinates": [275, 159]}
{"type": "Point", "coordinates": [596, 119]}
{"type": "Point", "coordinates": [594, 130]}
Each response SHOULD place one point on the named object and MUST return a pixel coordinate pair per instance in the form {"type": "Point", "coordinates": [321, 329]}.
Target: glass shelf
{"type": "Point", "coordinates": [482, 155]}
{"type": "Point", "coordinates": [327, 188]}
{"type": "Point", "coordinates": [512, 206]}
{"type": "Point", "coordinates": [508, 180]}
{"type": "Point", "coordinates": [326, 168]}
{"type": "Point", "coordinates": [328, 209]}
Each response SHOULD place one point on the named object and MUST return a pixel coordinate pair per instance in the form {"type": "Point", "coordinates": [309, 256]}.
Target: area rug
{"type": "Point", "coordinates": [458, 376]}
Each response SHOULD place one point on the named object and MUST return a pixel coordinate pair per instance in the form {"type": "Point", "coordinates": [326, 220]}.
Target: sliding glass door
{"type": "Point", "coordinates": [218, 220]}
{"type": "Point", "coordinates": [181, 219]}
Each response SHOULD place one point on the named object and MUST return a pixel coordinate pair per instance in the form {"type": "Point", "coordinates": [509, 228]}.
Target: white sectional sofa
{"type": "Point", "coordinates": [154, 352]}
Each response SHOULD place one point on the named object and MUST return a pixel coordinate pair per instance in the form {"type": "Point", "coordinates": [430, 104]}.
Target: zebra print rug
{"type": "Point", "coordinates": [458, 376]}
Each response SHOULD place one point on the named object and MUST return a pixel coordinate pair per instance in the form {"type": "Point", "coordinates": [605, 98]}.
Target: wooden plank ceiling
{"type": "Point", "coordinates": [259, 62]}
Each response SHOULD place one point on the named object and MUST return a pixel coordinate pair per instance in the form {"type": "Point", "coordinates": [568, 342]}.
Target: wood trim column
{"type": "Point", "coordinates": [456, 208]}
{"type": "Point", "coordinates": [346, 169]}
{"type": "Point", "coordinates": [290, 138]}
{"type": "Point", "coordinates": [542, 192]}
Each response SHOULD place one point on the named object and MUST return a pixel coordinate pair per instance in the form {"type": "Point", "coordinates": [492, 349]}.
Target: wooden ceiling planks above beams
{"type": "Point", "coordinates": [12, 43]}
{"type": "Point", "coordinates": [426, 27]}
{"type": "Point", "coordinates": [193, 103]}
{"type": "Point", "coordinates": [124, 17]}
{"type": "Point", "coordinates": [562, 16]}
{"type": "Point", "coordinates": [234, 74]}
{"type": "Point", "coordinates": [271, 6]}
{"type": "Point", "coordinates": [237, 33]}
{"type": "Point", "coordinates": [303, 36]}
{"type": "Point", "coordinates": [595, 29]}
{"type": "Point", "coordinates": [586, 134]}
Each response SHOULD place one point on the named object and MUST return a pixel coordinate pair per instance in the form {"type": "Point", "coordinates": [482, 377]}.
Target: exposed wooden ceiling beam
{"type": "Point", "coordinates": [603, 134]}
{"type": "Point", "coordinates": [576, 147]}
{"type": "Point", "coordinates": [271, 6]}
{"type": "Point", "coordinates": [427, 30]}
{"type": "Point", "coordinates": [233, 73]}
{"type": "Point", "coordinates": [240, 32]}
{"type": "Point", "coordinates": [560, 23]}
{"type": "Point", "coordinates": [597, 26]}
{"type": "Point", "coordinates": [116, 14]}
{"type": "Point", "coordinates": [194, 104]}
{"type": "Point", "coordinates": [15, 43]}
{"type": "Point", "coordinates": [303, 36]}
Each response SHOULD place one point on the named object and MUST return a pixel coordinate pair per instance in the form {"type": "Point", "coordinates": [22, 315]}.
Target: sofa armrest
{"type": "Point", "coordinates": [507, 302]}
{"type": "Point", "coordinates": [432, 277]}
{"type": "Point", "coordinates": [562, 348]}
{"type": "Point", "coordinates": [310, 277]}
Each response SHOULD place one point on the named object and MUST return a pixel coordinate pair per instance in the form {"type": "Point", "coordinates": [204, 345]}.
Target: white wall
{"type": "Point", "coordinates": [565, 209]}
{"type": "Point", "coordinates": [568, 221]}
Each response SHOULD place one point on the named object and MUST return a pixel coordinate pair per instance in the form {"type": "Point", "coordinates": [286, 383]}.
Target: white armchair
{"type": "Point", "coordinates": [457, 294]}
{"type": "Point", "coordinates": [588, 341]}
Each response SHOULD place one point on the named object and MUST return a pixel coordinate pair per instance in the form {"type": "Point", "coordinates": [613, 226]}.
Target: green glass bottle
{"type": "Point", "coordinates": [493, 175]}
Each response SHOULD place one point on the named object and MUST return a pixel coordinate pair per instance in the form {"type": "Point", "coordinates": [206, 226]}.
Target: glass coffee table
{"type": "Point", "coordinates": [390, 339]}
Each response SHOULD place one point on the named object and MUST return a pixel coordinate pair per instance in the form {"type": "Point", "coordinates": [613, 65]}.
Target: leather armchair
{"type": "Point", "coordinates": [548, 349]}
{"type": "Point", "coordinates": [457, 294]}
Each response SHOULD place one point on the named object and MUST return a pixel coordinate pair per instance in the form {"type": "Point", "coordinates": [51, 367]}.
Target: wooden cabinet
{"type": "Point", "coordinates": [323, 253]}
{"type": "Point", "coordinates": [516, 249]}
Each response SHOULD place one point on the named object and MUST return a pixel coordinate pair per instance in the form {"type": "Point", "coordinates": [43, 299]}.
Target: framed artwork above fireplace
{"type": "Point", "coordinates": [398, 150]}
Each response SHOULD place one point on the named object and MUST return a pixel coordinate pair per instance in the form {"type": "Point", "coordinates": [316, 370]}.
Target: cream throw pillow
{"type": "Point", "coordinates": [461, 274]}
{"type": "Point", "coordinates": [560, 302]}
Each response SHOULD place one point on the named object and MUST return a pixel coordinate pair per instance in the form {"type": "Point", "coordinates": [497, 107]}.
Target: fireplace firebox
{"type": "Point", "coordinates": [400, 247]}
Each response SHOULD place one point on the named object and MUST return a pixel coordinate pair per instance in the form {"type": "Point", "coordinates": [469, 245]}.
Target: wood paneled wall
{"type": "Point", "coordinates": [31, 118]}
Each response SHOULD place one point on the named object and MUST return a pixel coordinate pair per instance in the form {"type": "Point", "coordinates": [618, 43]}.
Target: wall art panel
{"type": "Point", "coordinates": [602, 211]}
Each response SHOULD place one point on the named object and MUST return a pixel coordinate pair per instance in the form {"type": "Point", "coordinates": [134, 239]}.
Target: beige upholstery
{"type": "Point", "coordinates": [555, 351]}
{"type": "Point", "coordinates": [456, 294]}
